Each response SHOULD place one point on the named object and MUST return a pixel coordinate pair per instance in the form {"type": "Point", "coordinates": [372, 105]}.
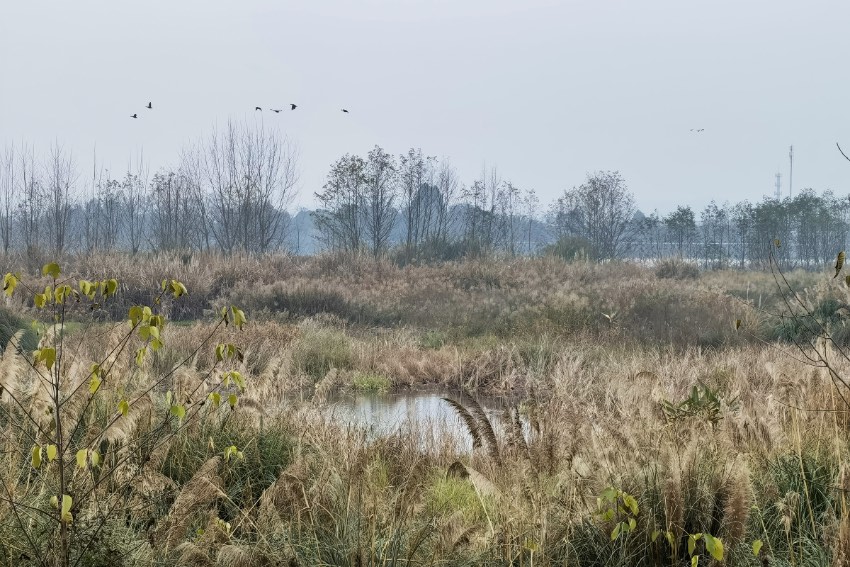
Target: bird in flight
{"type": "Point", "coordinates": [149, 105]}
{"type": "Point", "coordinates": [294, 106]}
{"type": "Point", "coordinates": [135, 116]}
{"type": "Point", "coordinates": [257, 108]}
{"type": "Point", "coordinates": [345, 111]}
{"type": "Point", "coordinates": [275, 110]}
{"type": "Point", "coordinates": [697, 129]}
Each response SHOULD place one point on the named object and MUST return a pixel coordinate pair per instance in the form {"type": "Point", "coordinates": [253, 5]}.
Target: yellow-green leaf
{"type": "Point", "coordinates": [39, 300]}
{"type": "Point", "coordinates": [178, 289]}
{"type": "Point", "coordinates": [631, 503]}
{"type": "Point", "coordinates": [215, 397]}
{"type": "Point", "coordinates": [140, 356]}
{"type": "Point", "coordinates": [695, 561]}
{"type": "Point", "coordinates": [238, 316]}
{"type": "Point", "coordinates": [51, 452]}
{"type": "Point", "coordinates": [95, 458]}
{"type": "Point", "coordinates": [10, 282]}
{"type": "Point", "coordinates": [47, 355]}
{"type": "Point", "coordinates": [758, 543]}
{"type": "Point", "coordinates": [51, 270]}
{"type": "Point", "coordinates": [232, 400]}
{"type": "Point", "coordinates": [178, 411]}
{"type": "Point", "coordinates": [714, 546]}
{"type": "Point", "coordinates": [54, 502]}
{"type": "Point", "coordinates": [67, 503]}
{"type": "Point", "coordinates": [36, 456]}
{"type": "Point", "coordinates": [82, 457]}
{"type": "Point", "coordinates": [94, 384]}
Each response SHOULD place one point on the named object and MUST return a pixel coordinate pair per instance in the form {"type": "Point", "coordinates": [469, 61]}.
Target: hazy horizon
{"type": "Point", "coordinates": [545, 91]}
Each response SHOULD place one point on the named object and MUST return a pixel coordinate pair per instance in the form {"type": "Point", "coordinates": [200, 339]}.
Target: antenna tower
{"type": "Point", "coordinates": [790, 170]}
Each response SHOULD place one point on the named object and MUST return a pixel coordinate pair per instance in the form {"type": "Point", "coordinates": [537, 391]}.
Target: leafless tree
{"type": "Point", "coordinates": [8, 200]}
{"type": "Point", "coordinates": [31, 204]}
{"type": "Point", "coordinates": [339, 219]}
{"type": "Point", "coordinates": [134, 203]}
{"type": "Point", "coordinates": [61, 177]}
{"type": "Point", "coordinates": [530, 203]}
{"type": "Point", "coordinates": [380, 194]}
{"type": "Point", "coordinates": [600, 211]}
{"type": "Point", "coordinates": [249, 175]}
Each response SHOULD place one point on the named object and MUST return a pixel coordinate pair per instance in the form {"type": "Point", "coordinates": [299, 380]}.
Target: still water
{"type": "Point", "coordinates": [422, 414]}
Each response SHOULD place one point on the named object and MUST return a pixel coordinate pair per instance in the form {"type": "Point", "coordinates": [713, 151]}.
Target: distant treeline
{"type": "Point", "coordinates": [230, 193]}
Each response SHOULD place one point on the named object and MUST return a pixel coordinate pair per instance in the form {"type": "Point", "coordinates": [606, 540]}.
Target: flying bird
{"type": "Point", "coordinates": [294, 106]}
{"type": "Point", "coordinates": [257, 108]}
{"type": "Point", "coordinates": [149, 105]}
{"type": "Point", "coordinates": [345, 111]}
{"type": "Point", "coordinates": [275, 110]}
{"type": "Point", "coordinates": [135, 116]}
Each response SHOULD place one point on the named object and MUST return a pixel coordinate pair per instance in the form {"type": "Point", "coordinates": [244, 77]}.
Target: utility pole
{"type": "Point", "coordinates": [790, 171]}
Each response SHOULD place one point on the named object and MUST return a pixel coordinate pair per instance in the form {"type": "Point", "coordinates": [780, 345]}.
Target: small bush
{"type": "Point", "coordinates": [371, 382]}
{"type": "Point", "coordinates": [320, 350]}
{"type": "Point", "coordinates": [674, 269]}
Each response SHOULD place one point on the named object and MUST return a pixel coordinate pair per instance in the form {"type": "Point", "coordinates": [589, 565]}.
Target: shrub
{"type": "Point", "coordinates": [319, 350]}
{"type": "Point", "coordinates": [371, 382]}
{"type": "Point", "coordinates": [675, 269]}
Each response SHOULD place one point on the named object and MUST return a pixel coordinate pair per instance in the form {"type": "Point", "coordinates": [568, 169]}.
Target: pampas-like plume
{"type": "Point", "coordinates": [239, 556]}
{"type": "Point", "coordinates": [124, 426]}
{"type": "Point", "coordinates": [191, 555]}
{"type": "Point", "coordinates": [468, 420]}
{"type": "Point", "coordinates": [736, 505]}
{"type": "Point", "coordinates": [201, 490]}
{"type": "Point", "coordinates": [485, 427]}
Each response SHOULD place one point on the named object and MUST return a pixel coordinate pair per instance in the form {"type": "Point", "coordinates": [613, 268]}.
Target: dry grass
{"type": "Point", "coordinates": [769, 464]}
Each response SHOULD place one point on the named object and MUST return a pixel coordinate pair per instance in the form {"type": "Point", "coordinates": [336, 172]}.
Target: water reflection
{"type": "Point", "coordinates": [423, 415]}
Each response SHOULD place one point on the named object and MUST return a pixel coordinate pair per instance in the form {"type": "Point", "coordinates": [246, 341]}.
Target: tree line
{"type": "Point", "coordinates": [230, 190]}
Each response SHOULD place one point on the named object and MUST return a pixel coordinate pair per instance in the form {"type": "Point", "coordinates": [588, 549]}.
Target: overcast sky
{"type": "Point", "coordinates": [544, 90]}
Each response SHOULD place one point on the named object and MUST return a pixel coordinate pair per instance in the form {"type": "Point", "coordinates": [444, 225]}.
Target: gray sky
{"type": "Point", "coordinates": [545, 90]}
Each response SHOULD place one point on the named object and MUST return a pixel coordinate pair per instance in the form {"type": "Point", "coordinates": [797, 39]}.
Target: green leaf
{"type": "Point", "coordinates": [616, 532]}
{"type": "Point", "coordinates": [54, 502]}
{"type": "Point", "coordinates": [714, 546]}
{"type": "Point", "coordinates": [609, 494]}
{"type": "Point", "coordinates": [632, 524]}
{"type": "Point", "coordinates": [95, 458]}
{"type": "Point", "coordinates": [108, 287]}
{"type": "Point", "coordinates": [215, 398]}
{"type": "Point", "coordinates": [36, 456]}
{"type": "Point", "coordinates": [695, 561]}
{"type": "Point", "coordinates": [655, 534]}
{"type": "Point", "coordinates": [692, 543]}
{"type": "Point", "coordinates": [232, 400]}
{"type": "Point", "coordinates": [135, 315]}
{"type": "Point", "coordinates": [178, 411]}
{"type": "Point", "coordinates": [51, 270]}
{"type": "Point", "coordinates": [94, 384]}
{"type": "Point", "coordinates": [758, 543]}
{"type": "Point", "coordinates": [82, 457]}
{"type": "Point", "coordinates": [51, 452]}
{"type": "Point", "coordinates": [39, 300]}
{"type": "Point", "coordinates": [219, 353]}
{"type": "Point", "coordinates": [66, 515]}
{"type": "Point", "coordinates": [123, 407]}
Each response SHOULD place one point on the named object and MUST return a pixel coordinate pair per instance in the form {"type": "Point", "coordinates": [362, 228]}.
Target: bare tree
{"type": "Point", "coordinates": [60, 176]}
{"type": "Point", "coordinates": [249, 175]}
{"type": "Point", "coordinates": [339, 219]}
{"type": "Point", "coordinates": [530, 203]}
{"type": "Point", "coordinates": [134, 203]}
{"type": "Point", "coordinates": [7, 197]}
{"type": "Point", "coordinates": [31, 203]}
{"type": "Point", "coordinates": [600, 211]}
{"type": "Point", "coordinates": [380, 195]}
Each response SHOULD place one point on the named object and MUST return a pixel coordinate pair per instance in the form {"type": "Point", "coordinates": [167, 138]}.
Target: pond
{"type": "Point", "coordinates": [422, 414]}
